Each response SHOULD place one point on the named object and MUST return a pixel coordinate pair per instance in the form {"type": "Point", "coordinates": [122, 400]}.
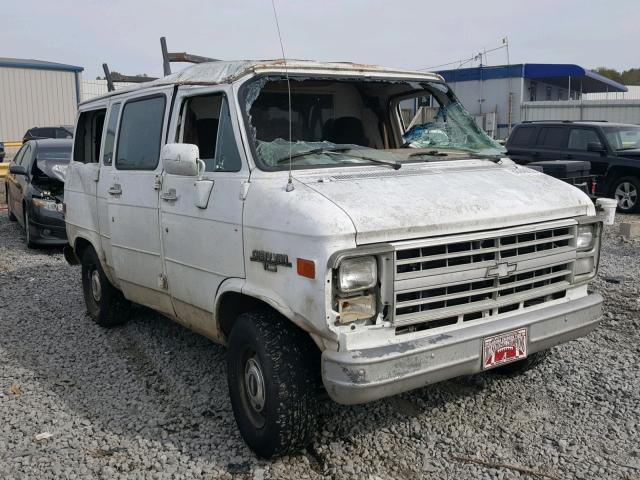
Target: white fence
{"type": "Point", "coordinates": [622, 111]}
{"type": "Point", "coordinates": [632, 94]}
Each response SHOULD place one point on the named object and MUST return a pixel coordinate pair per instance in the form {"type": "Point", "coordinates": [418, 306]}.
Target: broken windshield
{"type": "Point", "coordinates": [357, 122]}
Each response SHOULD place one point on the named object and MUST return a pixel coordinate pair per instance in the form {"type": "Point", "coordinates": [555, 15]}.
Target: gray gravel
{"type": "Point", "coordinates": [149, 400]}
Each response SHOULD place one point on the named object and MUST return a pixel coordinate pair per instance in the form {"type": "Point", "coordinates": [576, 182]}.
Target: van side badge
{"type": "Point", "coordinates": [270, 260]}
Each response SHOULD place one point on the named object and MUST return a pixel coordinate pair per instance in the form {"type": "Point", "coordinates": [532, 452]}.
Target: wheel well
{"type": "Point", "coordinates": [234, 304]}
{"type": "Point", "coordinates": [617, 172]}
{"type": "Point", "coordinates": [80, 246]}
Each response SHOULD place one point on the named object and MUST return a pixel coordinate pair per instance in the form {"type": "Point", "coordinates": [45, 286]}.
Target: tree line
{"type": "Point", "coordinates": [626, 77]}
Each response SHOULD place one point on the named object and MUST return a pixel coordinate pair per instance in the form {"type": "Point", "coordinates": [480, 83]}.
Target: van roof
{"type": "Point", "coordinates": [221, 72]}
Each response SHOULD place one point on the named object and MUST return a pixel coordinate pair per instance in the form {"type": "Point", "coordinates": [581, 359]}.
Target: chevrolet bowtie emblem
{"type": "Point", "coordinates": [501, 270]}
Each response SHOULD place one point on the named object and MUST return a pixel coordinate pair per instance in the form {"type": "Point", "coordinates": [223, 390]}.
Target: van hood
{"type": "Point", "coordinates": [441, 198]}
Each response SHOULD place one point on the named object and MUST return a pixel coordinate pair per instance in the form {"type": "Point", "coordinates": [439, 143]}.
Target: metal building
{"type": "Point", "coordinates": [498, 96]}
{"type": "Point", "coordinates": [34, 93]}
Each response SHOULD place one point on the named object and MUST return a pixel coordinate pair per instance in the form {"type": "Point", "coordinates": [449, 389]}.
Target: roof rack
{"type": "Point", "coordinates": [168, 57]}
{"type": "Point", "coordinates": [122, 78]}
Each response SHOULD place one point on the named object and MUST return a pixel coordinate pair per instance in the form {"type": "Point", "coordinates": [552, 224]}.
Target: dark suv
{"type": "Point", "coordinates": [37, 133]}
{"type": "Point", "coordinates": [612, 149]}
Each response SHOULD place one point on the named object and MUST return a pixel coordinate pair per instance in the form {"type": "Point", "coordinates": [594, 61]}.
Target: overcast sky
{"type": "Point", "coordinates": [399, 33]}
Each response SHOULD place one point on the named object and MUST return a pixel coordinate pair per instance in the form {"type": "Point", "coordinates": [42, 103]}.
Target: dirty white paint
{"type": "Point", "coordinates": [202, 253]}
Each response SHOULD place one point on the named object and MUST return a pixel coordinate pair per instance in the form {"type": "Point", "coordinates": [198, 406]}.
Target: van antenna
{"type": "Point", "coordinates": [289, 187]}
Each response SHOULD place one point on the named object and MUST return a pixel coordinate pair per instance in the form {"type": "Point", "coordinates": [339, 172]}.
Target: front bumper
{"type": "Point", "coordinates": [353, 377]}
{"type": "Point", "coordinates": [47, 228]}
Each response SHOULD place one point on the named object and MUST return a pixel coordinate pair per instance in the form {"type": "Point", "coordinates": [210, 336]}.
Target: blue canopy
{"type": "Point", "coordinates": [553, 74]}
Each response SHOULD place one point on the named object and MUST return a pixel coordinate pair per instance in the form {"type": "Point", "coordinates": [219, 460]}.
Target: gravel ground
{"type": "Point", "coordinates": [149, 400]}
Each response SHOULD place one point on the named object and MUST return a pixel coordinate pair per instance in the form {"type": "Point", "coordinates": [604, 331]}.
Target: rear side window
{"type": "Point", "coordinates": [86, 146]}
{"type": "Point", "coordinates": [140, 134]}
{"type": "Point", "coordinates": [553, 137]}
{"type": "Point", "coordinates": [110, 135]}
{"type": "Point", "coordinates": [522, 136]}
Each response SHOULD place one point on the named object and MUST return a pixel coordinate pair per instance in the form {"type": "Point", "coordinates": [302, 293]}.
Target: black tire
{"type": "Point", "coordinates": [284, 417]}
{"type": "Point", "coordinates": [12, 217]}
{"type": "Point", "coordinates": [27, 230]}
{"type": "Point", "coordinates": [522, 366]}
{"type": "Point", "coordinates": [105, 304]}
{"type": "Point", "coordinates": [626, 190]}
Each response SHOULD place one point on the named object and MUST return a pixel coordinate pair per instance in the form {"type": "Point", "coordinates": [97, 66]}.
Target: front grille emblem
{"type": "Point", "coordinates": [501, 270]}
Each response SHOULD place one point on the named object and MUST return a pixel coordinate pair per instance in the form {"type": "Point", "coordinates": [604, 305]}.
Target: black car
{"type": "Point", "coordinates": [2, 152]}
{"type": "Point", "coordinates": [612, 150]}
{"type": "Point", "coordinates": [37, 133]}
{"type": "Point", "coordinates": [35, 190]}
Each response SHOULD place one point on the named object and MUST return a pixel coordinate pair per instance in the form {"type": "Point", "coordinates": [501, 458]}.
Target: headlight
{"type": "Point", "coordinates": [588, 249]}
{"type": "Point", "coordinates": [357, 273]}
{"type": "Point", "coordinates": [585, 237]}
{"type": "Point", "coordinates": [50, 205]}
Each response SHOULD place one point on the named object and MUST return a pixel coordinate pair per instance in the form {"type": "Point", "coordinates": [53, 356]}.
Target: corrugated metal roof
{"type": "Point", "coordinates": [38, 64]}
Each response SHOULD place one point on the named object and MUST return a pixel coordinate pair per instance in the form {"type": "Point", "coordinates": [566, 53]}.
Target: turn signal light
{"type": "Point", "coordinates": [306, 268]}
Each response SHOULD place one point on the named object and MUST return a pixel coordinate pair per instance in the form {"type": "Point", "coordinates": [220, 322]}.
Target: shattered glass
{"type": "Point", "coordinates": [452, 128]}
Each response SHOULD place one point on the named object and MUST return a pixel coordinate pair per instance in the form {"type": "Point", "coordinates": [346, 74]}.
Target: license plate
{"type": "Point", "coordinates": [504, 348]}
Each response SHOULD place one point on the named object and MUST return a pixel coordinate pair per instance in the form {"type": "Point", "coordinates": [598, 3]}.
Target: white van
{"type": "Point", "coordinates": [378, 241]}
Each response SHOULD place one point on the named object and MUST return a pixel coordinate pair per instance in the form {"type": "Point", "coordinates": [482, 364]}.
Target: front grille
{"type": "Point", "coordinates": [455, 280]}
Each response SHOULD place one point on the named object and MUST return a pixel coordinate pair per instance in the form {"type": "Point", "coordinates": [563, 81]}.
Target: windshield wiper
{"type": "Point", "coordinates": [313, 151]}
{"type": "Point", "coordinates": [393, 163]}
{"type": "Point", "coordinates": [338, 150]}
{"type": "Point", "coordinates": [430, 153]}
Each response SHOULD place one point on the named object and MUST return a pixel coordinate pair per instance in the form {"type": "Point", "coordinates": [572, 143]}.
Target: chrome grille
{"type": "Point", "coordinates": [454, 280]}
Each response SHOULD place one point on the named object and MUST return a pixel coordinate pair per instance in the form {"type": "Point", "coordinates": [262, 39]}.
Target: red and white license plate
{"type": "Point", "coordinates": [504, 348]}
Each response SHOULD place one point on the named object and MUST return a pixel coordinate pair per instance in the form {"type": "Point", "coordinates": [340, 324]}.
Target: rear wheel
{"type": "Point", "coordinates": [105, 304]}
{"type": "Point", "coordinates": [626, 190]}
{"type": "Point", "coordinates": [521, 366]}
{"type": "Point", "coordinates": [272, 383]}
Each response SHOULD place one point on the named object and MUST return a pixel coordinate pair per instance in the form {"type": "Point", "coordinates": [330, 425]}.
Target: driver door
{"type": "Point", "coordinates": [201, 218]}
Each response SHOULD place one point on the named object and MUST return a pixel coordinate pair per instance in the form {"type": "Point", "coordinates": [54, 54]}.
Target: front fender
{"type": "Point", "coordinates": [275, 301]}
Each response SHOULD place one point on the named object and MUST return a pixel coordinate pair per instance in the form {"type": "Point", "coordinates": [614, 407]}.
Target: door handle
{"type": "Point", "coordinates": [568, 157]}
{"type": "Point", "coordinates": [115, 189]}
{"type": "Point", "coordinates": [169, 196]}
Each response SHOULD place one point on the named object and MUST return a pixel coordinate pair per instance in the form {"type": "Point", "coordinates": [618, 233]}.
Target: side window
{"type": "Point", "coordinates": [110, 135]}
{"type": "Point", "coordinates": [63, 133]}
{"type": "Point", "coordinates": [140, 134]}
{"type": "Point", "coordinates": [579, 138]}
{"type": "Point", "coordinates": [522, 136]}
{"type": "Point", "coordinates": [46, 133]}
{"type": "Point", "coordinates": [553, 137]}
{"type": "Point", "coordinates": [86, 146]}
{"type": "Point", "coordinates": [26, 158]}
{"type": "Point", "coordinates": [18, 158]}
{"type": "Point", "coordinates": [205, 121]}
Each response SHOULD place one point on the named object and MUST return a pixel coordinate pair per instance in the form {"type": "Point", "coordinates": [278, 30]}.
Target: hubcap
{"type": "Point", "coordinates": [96, 289]}
{"type": "Point", "coordinates": [254, 384]}
{"type": "Point", "coordinates": [626, 195]}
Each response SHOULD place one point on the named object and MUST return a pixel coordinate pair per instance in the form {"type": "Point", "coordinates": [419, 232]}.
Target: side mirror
{"type": "Point", "coordinates": [17, 169]}
{"type": "Point", "coordinates": [596, 147]}
{"type": "Point", "coordinates": [182, 159]}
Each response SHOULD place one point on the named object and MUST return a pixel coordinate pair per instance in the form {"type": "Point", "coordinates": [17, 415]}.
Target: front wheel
{"type": "Point", "coordinates": [272, 383]}
{"type": "Point", "coordinates": [105, 304]}
{"type": "Point", "coordinates": [626, 190]}
{"type": "Point", "coordinates": [12, 217]}
{"type": "Point", "coordinates": [27, 230]}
